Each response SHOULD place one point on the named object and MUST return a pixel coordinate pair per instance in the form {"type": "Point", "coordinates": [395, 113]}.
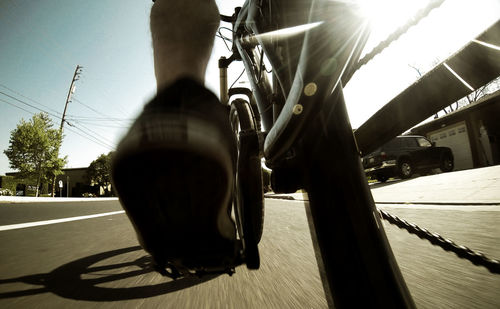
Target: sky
{"type": "Point", "coordinates": [42, 42]}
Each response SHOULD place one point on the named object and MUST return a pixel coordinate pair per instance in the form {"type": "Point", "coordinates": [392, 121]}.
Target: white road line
{"type": "Point", "coordinates": [38, 223]}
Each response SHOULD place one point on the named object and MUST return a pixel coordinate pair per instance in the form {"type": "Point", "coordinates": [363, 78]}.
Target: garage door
{"type": "Point", "coordinates": [455, 137]}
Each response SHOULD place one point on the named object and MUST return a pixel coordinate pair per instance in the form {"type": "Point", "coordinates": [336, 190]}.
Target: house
{"type": "Point", "coordinates": [472, 132]}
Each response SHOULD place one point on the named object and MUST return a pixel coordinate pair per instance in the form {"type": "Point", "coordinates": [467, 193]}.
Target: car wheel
{"type": "Point", "coordinates": [446, 164]}
{"type": "Point", "coordinates": [405, 169]}
{"type": "Point", "coordinates": [382, 178]}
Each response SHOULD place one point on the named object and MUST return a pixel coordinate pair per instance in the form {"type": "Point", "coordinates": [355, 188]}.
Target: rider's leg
{"type": "Point", "coordinates": [182, 145]}
{"type": "Point", "coordinates": [183, 33]}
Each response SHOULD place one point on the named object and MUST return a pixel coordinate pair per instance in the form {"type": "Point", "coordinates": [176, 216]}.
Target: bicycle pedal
{"type": "Point", "coordinates": [167, 270]}
{"type": "Point", "coordinates": [227, 271]}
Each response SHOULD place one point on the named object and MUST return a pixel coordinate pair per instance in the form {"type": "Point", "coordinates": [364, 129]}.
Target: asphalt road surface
{"type": "Point", "coordinates": [95, 262]}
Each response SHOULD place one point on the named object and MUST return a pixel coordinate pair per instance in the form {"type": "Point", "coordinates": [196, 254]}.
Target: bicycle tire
{"type": "Point", "coordinates": [249, 199]}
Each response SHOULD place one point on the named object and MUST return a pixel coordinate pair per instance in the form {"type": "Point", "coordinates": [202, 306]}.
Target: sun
{"type": "Point", "coordinates": [387, 15]}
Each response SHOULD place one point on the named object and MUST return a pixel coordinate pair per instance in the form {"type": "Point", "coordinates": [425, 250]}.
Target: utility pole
{"type": "Point", "coordinates": [76, 76]}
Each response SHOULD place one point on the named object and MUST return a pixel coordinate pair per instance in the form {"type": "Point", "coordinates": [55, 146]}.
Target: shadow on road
{"type": "Point", "coordinates": [66, 280]}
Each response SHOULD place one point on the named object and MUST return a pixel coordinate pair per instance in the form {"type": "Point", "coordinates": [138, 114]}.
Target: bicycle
{"type": "Point", "coordinates": [299, 124]}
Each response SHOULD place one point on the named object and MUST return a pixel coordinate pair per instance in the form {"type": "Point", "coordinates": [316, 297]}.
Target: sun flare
{"type": "Point", "coordinates": [384, 15]}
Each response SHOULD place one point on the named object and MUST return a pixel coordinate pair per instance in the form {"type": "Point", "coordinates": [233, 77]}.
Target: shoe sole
{"type": "Point", "coordinates": [172, 177]}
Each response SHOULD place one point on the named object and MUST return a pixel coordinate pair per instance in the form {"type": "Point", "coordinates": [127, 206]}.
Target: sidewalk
{"type": "Point", "coordinates": [470, 187]}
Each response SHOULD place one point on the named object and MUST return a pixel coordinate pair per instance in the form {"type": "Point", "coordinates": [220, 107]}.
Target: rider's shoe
{"type": "Point", "coordinates": [174, 173]}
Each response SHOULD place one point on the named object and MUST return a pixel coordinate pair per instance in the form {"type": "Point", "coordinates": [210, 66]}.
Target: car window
{"type": "Point", "coordinates": [422, 142]}
{"type": "Point", "coordinates": [410, 143]}
{"type": "Point", "coordinates": [394, 144]}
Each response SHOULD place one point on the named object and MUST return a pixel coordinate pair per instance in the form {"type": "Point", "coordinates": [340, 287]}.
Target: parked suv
{"type": "Point", "coordinates": [405, 155]}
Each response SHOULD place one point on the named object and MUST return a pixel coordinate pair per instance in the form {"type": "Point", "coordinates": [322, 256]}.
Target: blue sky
{"type": "Point", "coordinates": [42, 41]}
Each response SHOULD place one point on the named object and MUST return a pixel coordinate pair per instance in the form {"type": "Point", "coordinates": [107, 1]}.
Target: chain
{"type": "Point", "coordinates": [477, 258]}
{"type": "Point", "coordinates": [400, 31]}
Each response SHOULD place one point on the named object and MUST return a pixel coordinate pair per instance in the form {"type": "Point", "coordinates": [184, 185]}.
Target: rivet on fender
{"type": "Point", "coordinates": [297, 109]}
{"type": "Point", "coordinates": [310, 89]}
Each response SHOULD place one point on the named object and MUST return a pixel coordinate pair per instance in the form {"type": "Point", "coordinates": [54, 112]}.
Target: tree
{"type": "Point", "coordinates": [99, 172]}
{"type": "Point", "coordinates": [480, 92]}
{"type": "Point", "coordinates": [34, 149]}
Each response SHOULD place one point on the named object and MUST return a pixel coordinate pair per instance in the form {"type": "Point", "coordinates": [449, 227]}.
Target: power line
{"type": "Point", "coordinates": [103, 139]}
{"type": "Point", "coordinates": [91, 120]}
{"type": "Point", "coordinates": [32, 100]}
{"type": "Point", "coordinates": [21, 101]}
{"type": "Point", "coordinates": [90, 136]}
{"type": "Point", "coordinates": [90, 108]}
{"type": "Point", "coordinates": [102, 125]}
{"type": "Point", "coordinates": [96, 141]}
{"type": "Point", "coordinates": [11, 104]}
{"type": "Point", "coordinates": [104, 94]}
{"type": "Point", "coordinates": [99, 118]}
{"type": "Point", "coordinates": [89, 139]}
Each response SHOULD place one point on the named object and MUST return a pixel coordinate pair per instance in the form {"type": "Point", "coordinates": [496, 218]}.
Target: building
{"type": "Point", "coordinates": [472, 132]}
{"type": "Point", "coordinates": [72, 183]}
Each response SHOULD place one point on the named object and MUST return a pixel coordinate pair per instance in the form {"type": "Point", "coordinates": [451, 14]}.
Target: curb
{"type": "Point", "coordinates": [442, 203]}
{"type": "Point", "coordinates": [280, 197]}
{"type": "Point", "coordinates": [24, 199]}
{"type": "Point", "coordinates": [463, 203]}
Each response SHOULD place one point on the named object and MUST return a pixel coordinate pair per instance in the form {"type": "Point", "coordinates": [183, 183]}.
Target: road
{"type": "Point", "coordinates": [96, 262]}
{"type": "Point", "coordinates": [438, 279]}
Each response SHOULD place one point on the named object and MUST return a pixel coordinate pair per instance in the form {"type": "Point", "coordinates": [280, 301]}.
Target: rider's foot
{"type": "Point", "coordinates": [174, 174]}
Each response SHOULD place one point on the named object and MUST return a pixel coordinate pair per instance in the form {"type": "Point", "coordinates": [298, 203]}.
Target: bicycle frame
{"type": "Point", "coordinates": [308, 132]}
{"type": "Point", "coordinates": [315, 78]}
